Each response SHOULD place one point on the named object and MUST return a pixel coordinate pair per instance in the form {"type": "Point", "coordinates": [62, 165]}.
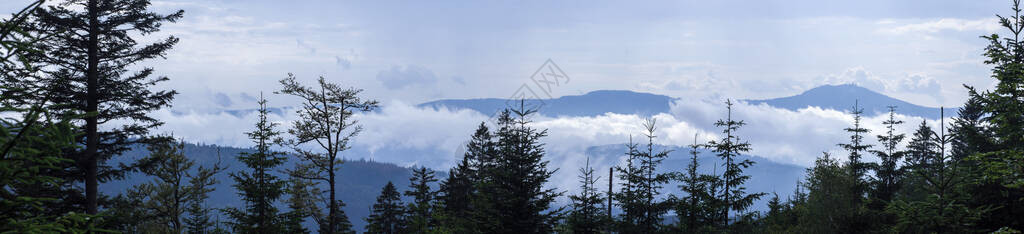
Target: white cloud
{"type": "Point", "coordinates": [934, 26]}
{"type": "Point", "coordinates": [918, 83]}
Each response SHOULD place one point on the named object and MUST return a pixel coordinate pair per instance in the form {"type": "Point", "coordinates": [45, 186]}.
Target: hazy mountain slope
{"type": "Point", "coordinates": [359, 181]}
{"type": "Point", "coordinates": [842, 97]}
{"type": "Point", "coordinates": [836, 97]}
{"type": "Point", "coordinates": [590, 104]}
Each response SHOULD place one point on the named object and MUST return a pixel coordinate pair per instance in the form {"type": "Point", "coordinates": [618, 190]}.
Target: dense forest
{"type": "Point", "coordinates": [73, 97]}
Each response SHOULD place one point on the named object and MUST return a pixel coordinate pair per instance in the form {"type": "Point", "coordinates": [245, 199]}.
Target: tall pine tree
{"type": "Point", "coordinates": [696, 210]}
{"type": "Point", "coordinates": [420, 211]}
{"type": "Point", "coordinates": [94, 45]}
{"type": "Point", "coordinates": [259, 188]}
{"type": "Point", "coordinates": [729, 148]}
{"type": "Point", "coordinates": [515, 178]}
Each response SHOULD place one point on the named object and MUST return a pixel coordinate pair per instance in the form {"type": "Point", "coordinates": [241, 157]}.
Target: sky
{"type": "Point", "coordinates": [408, 52]}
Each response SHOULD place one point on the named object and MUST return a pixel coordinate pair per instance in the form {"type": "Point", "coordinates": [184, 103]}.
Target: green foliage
{"type": "Point", "coordinates": [587, 214]}
{"type": "Point", "coordinates": [259, 188]}
{"type": "Point", "coordinates": [88, 58]}
{"type": "Point", "coordinates": [388, 214]}
{"type": "Point", "coordinates": [734, 195]}
{"type": "Point", "coordinates": [420, 212]}
{"type": "Point", "coordinates": [326, 119]}
{"type": "Point", "coordinates": [641, 185]}
{"type": "Point", "coordinates": [511, 196]}
{"type": "Point", "coordinates": [698, 211]}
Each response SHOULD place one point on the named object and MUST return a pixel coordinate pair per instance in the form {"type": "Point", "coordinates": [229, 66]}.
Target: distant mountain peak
{"type": "Point", "coordinates": [842, 98]}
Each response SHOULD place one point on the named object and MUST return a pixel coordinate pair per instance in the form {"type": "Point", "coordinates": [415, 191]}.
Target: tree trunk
{"type": "Point", "coordinates": [331, 221]}
{"type": "Point", "coordinates": [92, 137]}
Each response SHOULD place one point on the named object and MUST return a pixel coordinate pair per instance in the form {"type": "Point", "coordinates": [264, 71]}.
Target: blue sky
{"type": "Point", "coordinates": [408, 52]}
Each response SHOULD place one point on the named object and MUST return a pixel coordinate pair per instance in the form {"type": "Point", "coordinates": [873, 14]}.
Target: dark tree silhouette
{"type": "Point", "coordinates": [388, 216]}
{"type": "Point", "coordinates": [258, 187]}
{"type": "Point", "coordinates": [326, 120]}
{"type": "Point", "coordinates": [90, 54]}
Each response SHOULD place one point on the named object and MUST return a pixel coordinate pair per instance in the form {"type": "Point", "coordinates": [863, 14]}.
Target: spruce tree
{"type": "Point", "coordinates": [420, 211]}
{"type": "Point", "coordinates": [857, 148]}
{"type": "Point", "coordinates": [729, 148]}
{"type": "Point", "coordinates": [458, 191]}
{"type": "Point", "coordinates": [588, 205]}
{"type": "Point", "coordinates": [695, 211]}
{"type": "Point", "coordinates": [94, 45]}
{"type": "Point", "coordinates": [831, 205]}
{"type": "Point", "coordinates": [514, 190]}
{"type": "Point", "coordinates": [301, 203]}
{"type": "Point", "coordinates": [888, 172]}
{"type": "Point", "coordinates": [388, 214]}
{"type": "Point", "coordinates": [259, 188]}
{"type": "Point", "coordinates": [325, 120]}
{"type": "Point", "coordinates": [1001, 168]}
{"type": "Point", "coordinates": [31, 140]}
{"type": "Point", "coordinates": [642, 210]}
{"type": "Point", "coordinates": [938, 205]}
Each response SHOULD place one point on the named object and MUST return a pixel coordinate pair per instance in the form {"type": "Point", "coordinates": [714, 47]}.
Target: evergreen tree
{"type": "Point", "coordinates": [200, 186]}
{"type": "Point", "coordinates": [93, 46]}
{"type": "Point", "coordinates": [939, 204]}
{"type": "Point", "coordinates": [31, 140]}
{"type": "Point", "coordinates": [734, 195]}
{"type": "Point", "coordinates": [857, 148]}
{"type": "Point", "coordinates": [831, 205]}
{"type": "Point", "coordinates": [326, 120]}
{"type": "Point", "coordinates": [512, 191]}
{"type": "Point", "coordinates": [300, 202]}
{"type": "Point", "coordinates": [888, 172]}
{"type": "Point", "coordinates": [388, 214]}
{"type": "Point", "coordinates": [458, 191]}
{"type": "Point", "coordinates": [587, 206]}
{"type": "Point", "coordinates": [642, 185]}
{"type": "Point", "coordinates": [258, 187]}
{"type": "Point", "coordinates": [1001, 168]}
{"type": "Point", "coordinates": [174, 200]}
{"type": "Point", "coordinates": [420, 211]}
{"type": "Point", "coordinates": [696, 211]}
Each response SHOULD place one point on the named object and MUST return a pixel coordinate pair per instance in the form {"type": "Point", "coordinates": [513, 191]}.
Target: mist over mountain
{"type": "Point", "coordinates": [841, 97]}
{"type": "Point", "coordinates": [835, 97]}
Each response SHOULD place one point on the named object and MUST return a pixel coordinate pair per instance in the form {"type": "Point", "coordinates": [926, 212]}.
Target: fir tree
{"type": "Point", "coordinates": [1001, 168]}
{"type": "Point", "coordinates": [458, 191]}
{"type": "Point", "coordinates": [326, 120]}
{"type": "Point", "coordinates": [200, 186]}
{"type": "Point", "coordinates": [938, 206]}
{"type": "Point", "coordinates": [94, 45]}
{"type": "Point", "coordinates": [696, 210]}
{"type": "Point", "coordinates": [420, 211]}
{"type": "Point", "coordinates": [832, 206]}
{"type": "Point", "coordinates": [31, 140]}
{"type": "Point", "coordinates": [388, 213]}
{"type": "Point", "coordinates": [857, 148]}
{"type": "Point", "coordinates": [514, 179]}
{"type": "Point", "coordinates": [258, 187]}
{"type": "Point", "coordinates": [888, 172]}
{"type": "Point", "coordinates": [301, 203]}
{"type": "Point", "coordinates": [588, 205]}
{"type": "Point", "coordinates": [734, 195]}
{"type": "Point", "coordinates": [641, 210]}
